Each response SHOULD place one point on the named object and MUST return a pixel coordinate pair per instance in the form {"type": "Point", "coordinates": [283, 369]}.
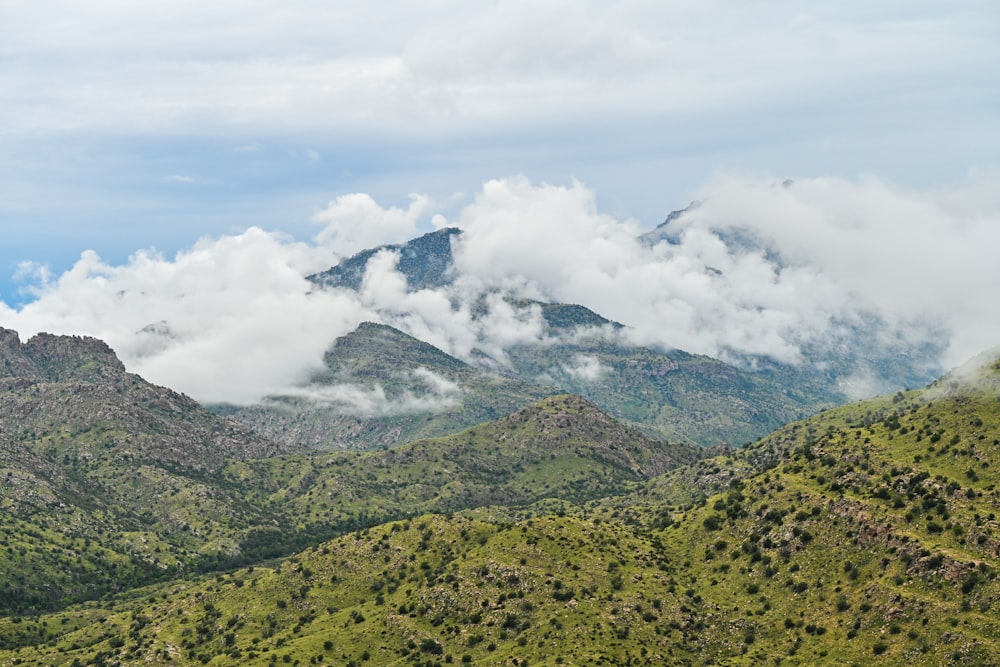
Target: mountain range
{"type": "Point", "coordinates": [569, 499]}
{"type": "Point", "coordinates": [866, 534]}
{"type": "Point", "coordinates": [367, 394]}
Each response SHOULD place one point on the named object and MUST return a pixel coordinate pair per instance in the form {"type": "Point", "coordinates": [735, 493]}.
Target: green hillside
{"type": "Point", "coordinates": [559, 448]}
{"type": "Point", "coordinates": [866, 535]}
{"type": "Point", "coordinates": [672, 395]}
{"type": "Point", "coordinates": [112, 483]}
{"type": "Point", "coordinates": [108, 481]}
{"type": "Point", "coordinates": [396, 374]}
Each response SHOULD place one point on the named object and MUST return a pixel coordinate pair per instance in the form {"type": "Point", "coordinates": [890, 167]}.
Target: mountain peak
{"type": "Point", "coordinates": [426, 262]}
{"type": "Point", "coordinates": [71, 357]}
{"type": "Point", "coordinates": [57, 358]}
{"type": "Point", "coordinates": [379, 346]}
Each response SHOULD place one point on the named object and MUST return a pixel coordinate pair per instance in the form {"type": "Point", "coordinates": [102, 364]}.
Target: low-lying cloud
{"type": "Point", "coordinates": [586, 368]}
{"type": "Point", "coordinates": [439, 393]}
{"type": "Point", "coordinates": [758, 268]}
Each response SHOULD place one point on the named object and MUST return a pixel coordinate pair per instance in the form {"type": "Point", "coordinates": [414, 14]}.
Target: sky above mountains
{"type": "Point", "coordinates": [194, 160]}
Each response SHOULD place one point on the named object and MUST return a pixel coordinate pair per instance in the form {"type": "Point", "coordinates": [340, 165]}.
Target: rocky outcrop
{"type": "Point", "coordinates": [75, 388]}
{"type": "Point", "coordinates": [14, 362]}
{"type": "Point", "coordinates": [56, 358]}
{"type": "Point", "coordinates": [72, 357]}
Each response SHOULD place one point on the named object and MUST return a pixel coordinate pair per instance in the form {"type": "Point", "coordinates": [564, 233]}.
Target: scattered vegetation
{"type": "Point", "coordinates": [865, 535]}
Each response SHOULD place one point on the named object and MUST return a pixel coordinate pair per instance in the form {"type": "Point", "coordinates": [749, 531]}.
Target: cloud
{"type": "Point", "coordinates": [825, 254]}
{"type": "Point", "coordinates": [854, 246]}
{"type": "Point", "coordinates": [539, 237]}
{"type": "Point", "coordinates": [355, 399]}
{"type": "Point", "coordinates": [356, 221]}
{"type": "Point", "coordinates": [38, 275]}
{"type": "Point", "coordinates": [445, 67]}
{"type": "Point", "coordinates": [232, 318]}
{"type": "Point", "coordinates": [638, 98]}
{"type": "Point", "coordinates": [586, 368]}
{"type": "Point", "coordinates": [462, 321]}
{"type": "Point", "coordinates": [794, 271]}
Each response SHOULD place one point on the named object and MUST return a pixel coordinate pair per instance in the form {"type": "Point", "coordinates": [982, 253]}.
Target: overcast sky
{"type": "Point", "coordinates": [146, 126]}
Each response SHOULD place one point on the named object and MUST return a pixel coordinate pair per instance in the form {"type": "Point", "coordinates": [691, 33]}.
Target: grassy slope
{"type": "Point", "coordinates": [88, 511]}
{"type": "Point", "coordinates": [874, 542]}
{"type": "Point", "coordinates": [561, 447]}
{"type": "Point", "coordinates": [108, 481]}
{"type": "Point", "coordinates": [880, 528]}
{"type": "Point", "coordinates": [672, 395]}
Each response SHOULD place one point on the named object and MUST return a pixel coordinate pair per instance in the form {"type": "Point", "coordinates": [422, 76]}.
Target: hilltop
{"type": "Point", "coordinates": [560, 449]}
{"type": "Point", "coordinates": [426, 261]}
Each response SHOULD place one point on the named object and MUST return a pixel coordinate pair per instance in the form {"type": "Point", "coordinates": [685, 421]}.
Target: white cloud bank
{"type": "Point", "coordinates": [355, 222]}
{"type": "Point", "coordinates": [443, 67]}
{"type": "Point", "coordinates": [758, 268]}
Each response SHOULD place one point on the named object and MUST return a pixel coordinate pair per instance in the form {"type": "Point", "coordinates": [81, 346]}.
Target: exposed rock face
{"type": "Point", "coordinates": [14, 361]}
{"type": "Point", "coordinates": [57, 386]}
{"type": "Point", "coordinates": [56, 358]}
{"type": "Point", "coordinates": [91, 452]}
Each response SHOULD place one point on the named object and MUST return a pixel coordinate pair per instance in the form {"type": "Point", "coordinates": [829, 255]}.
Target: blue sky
{"type": "Point", "coordinates": [156, 134]}
{"type": "Point", "coordinates": [131, 125]}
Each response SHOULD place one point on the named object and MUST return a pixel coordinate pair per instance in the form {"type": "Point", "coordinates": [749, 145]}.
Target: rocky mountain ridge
{"type": "Point", "coordinates": [54, 358]}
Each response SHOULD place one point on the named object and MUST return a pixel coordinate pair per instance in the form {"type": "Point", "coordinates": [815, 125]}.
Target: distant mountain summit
{"type": "Point", "coordinates": [426, 262]}
{"type": "Point", "coordinates": [667, 230]}
{"type": "Point", "coordinates": [561, 318]}
{"type": "Point", "coordinates": [667, 393]}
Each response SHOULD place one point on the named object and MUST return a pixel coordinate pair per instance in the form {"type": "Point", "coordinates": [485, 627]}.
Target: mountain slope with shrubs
{"type": "Point", "coordinates": [111, 483]}
{"type": "Point", "coordinates": [867, 535]}
{"type": "Point", "coordinates": [107, 481]}
{"type": "Point", "coordinates": [382, 387]}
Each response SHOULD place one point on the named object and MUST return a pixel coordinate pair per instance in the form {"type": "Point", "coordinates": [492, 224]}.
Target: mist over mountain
{"type": "Point", "coordinates": [426, 262]}
{"type": "Point", "coordinates": [863, 283]}
{"type": "Point", "coordinates": [379, 388]}
{"type": "Point", "coordinates": [499, 333]}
